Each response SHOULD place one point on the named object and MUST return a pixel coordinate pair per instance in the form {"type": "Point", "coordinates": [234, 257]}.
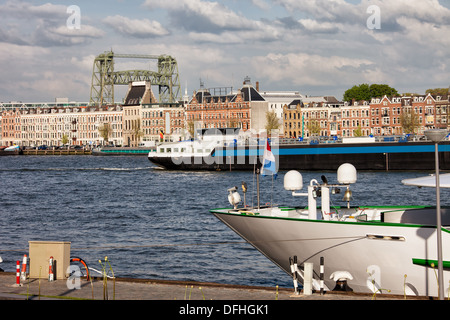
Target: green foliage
{"type": "Point", "coordinates": [410, 122]}
{"type": "Point", "coordinates": [272, 121]}
{"type": "Point", "coordinates": [367, 92]}
{"type": "Point", "coordinates": [358, 132]}
{"type": "Point", "coordinates": [105, 131]}
{"type": "Point", "coordinates": [313, 127]}
{"type": "Point", "coordinates": [379, 90]}
{"type": "Point", "coordinates": [438, 91]}
{"type": "Point", "coordinates": [65, 139]}
{"type": "Point", "coordinates": [361, 92]}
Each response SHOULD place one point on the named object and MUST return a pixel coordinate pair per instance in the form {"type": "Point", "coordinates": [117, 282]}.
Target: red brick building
{"type": "Point", "coordinates": [432, 112]}
{"type": "Point", "coordinates": [221, 108]}
{"type": "Point", "coordinates": [11, 130]}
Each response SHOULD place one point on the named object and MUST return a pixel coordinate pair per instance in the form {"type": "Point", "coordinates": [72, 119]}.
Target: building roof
{"type": "Point", "coordinates": [296, 102]}
{"type": "Point", "coordinates": [250, 94]}
{"type": "Point", "coordinates": [134, 96]}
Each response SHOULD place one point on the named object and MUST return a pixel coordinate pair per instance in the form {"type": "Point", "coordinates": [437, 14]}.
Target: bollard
{"type": "Point", "coordinates": [321, 274]}
{"type": "Point", "coordinates": [50, 270]}
{"type": "Point", "coordinates": [23, 274]}
{"type": "Point", "coordinates": [18, 273]}
{"type": "Point", "coordinates": [295, 266]}
{"type": "Point", "coordinates": [294, 274]}
{"type": "Point", "coordinates": [307, 278]}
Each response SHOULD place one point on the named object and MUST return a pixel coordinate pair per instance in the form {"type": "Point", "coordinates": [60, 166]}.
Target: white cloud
{"type": "Point", "coordinates": [84, 31]}
{"type": "Point", "coordinates": [83, 63]}
{"type": "Point", "coordinates": [42, 25]}
{"type": "Point", "coordinates": [48, 35]}
{"type": "Point", "coordinates": [264, 33]}
{"type": "Point", "coordinates": [329, 10]}
{"type": "Point", "coordinates": [201, 16]}
{"type": "Point", "coordinates": [136, 28]}
{"type": "Point", "coordinates": [262, 4]}
{"type": "Point", "coordinates": [420, 10]}
{"type": "Point", "coordinates": [36, 74]}
{"type": "Point", "coordinates": [310, 70]}
{"type": "Point", "coordinates": [316, 27]}
{"type": "Point", "coordinates": [21, 9]}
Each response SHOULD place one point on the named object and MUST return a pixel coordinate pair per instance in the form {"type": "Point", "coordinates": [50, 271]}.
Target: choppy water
{"type": "Point", "coordinates": [154, 223]}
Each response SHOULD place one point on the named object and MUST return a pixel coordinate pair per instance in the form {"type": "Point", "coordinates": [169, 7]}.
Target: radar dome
{"type": "Point", "coordinates": [293, 180]}
{"type": "Point", "coordinates": [346, 173]}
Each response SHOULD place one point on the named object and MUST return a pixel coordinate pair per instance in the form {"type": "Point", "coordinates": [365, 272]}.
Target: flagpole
{"type": "Point", "coordinates": [257, 187]}
{"type": "Point", "coordinates": [271, 194]}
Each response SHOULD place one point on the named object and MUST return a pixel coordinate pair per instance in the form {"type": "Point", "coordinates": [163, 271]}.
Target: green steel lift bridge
{"type": "Point", "coordinates": [104, 77]}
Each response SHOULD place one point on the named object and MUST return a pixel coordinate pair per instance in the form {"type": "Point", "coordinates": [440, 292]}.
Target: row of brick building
{"type": "Point", "coordinates": [140, 118]}
{"type": "Point", "coordinates": [247, 109]}
{"type": "Point", "coordinates": [377, 117]}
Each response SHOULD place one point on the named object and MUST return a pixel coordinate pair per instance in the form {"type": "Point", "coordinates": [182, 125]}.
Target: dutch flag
{"type": "Point", "coordinates": [269, 164]}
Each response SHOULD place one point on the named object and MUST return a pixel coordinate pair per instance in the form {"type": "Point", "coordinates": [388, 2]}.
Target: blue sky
{"type": "Point", "coordinates": [316, 47]}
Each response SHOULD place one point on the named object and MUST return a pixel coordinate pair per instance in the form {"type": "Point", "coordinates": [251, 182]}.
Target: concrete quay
{"type": "Point", "coordinates": [148, 289]}
{"type": "Point", "coordinates": [57, 152]}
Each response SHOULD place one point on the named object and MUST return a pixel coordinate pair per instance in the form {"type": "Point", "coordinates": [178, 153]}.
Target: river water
{"type": "Point", "coordinates": [153, 223]}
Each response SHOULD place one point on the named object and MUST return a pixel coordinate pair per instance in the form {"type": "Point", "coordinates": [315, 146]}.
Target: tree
{"type": "Point", "coordinates": [105, 131]}
{"type": "Point", "coordinates": [233, 123]}
{"type": "Point", "coordinates": [358, 132]}
{"type": "Point", "coordinates": [191, 128]}
{"type": "Point", "coordinates": [313, 127]}
{"type": "Point", "coordinates": [366, 92]}
{"type": "Point", "coordinates": [438, 91]}
{"type": "Point", "coordinates": [361, 92]}
{"type": "Point", "coordinates": [136, 129]}
{"type": "Point", "coordinates": [64, 139]}
{"type": "Point", "coordinates": [272, 121]}
{"type": "Point", "coordinates": [380, 90]}
{"type": "Point", "coordinates": [409, 121]}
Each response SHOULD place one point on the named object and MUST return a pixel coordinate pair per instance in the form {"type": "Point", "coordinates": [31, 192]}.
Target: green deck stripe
{"type": "Point", "coordinates": [429, 262]}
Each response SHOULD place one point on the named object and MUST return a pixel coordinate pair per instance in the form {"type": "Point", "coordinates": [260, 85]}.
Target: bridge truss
{"type": "Point", "coordinates": [104, 77]}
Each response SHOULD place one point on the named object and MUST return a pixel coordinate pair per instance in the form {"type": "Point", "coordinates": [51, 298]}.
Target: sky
{"type": "Point", "coordinates": [315, 47]}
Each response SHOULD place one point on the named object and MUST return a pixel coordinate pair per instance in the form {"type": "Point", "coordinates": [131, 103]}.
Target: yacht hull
{"type": "Point", "coordinates": [381, 257]}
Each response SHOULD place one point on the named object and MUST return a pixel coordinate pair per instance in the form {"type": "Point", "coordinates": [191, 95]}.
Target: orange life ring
{"type": "Point", "coordinates": [76, 259]}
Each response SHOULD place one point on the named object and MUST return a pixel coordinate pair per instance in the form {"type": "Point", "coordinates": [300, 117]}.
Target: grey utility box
{"type": "Point", "coordinates": [40, 253]}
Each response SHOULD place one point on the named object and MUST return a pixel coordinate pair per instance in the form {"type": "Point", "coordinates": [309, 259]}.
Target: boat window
{"type": "Point", "coordinates": [207, 150]}
{"type": "Point", "coordinates": [182, 149]}
{"type": "Point", "coordinates": [169, 150]}
{"type": "Point", "coordinates": [161, 150]}
{"type": "Point", "coordinates": [199, 150]}
{"type": "Point", "coordinates": [175, 150]}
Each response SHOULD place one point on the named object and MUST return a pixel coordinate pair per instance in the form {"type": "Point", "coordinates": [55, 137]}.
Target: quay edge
{"type": "Point", "coordinates": [154, 289]}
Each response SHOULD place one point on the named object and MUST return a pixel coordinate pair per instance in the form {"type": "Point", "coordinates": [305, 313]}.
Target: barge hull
{"type": "Point", "coordinates": [368, 156]}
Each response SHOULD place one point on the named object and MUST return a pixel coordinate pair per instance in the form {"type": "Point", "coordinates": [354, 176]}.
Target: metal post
{"type": "Point", "coordinates": [307, 278]}
{"type": "Point", "coordinates": [321, 274]}
{"type": "Point", "coordinates": [294, 273]}
{"type": "Point", "coordinates": [439, 227]}
{"type": "Point", "coordinates": [257, 187]}
{"type": "Point", "coordinates": [437, 135]}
